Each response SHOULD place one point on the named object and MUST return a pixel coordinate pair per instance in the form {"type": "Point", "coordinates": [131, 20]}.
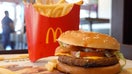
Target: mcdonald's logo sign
{"type": "Point", "coordinates": [54, 32]}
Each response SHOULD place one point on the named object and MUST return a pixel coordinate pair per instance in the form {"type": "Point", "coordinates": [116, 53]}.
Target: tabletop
{"type": "Point", "coordinates": [22, 60]}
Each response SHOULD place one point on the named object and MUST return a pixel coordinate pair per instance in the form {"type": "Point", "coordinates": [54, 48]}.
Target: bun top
{"type": "Point", "coordinates": [89, 39]}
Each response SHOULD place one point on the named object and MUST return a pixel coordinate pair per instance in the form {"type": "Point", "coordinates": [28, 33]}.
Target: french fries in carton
{"type": "Point", "coordinates": [45, 21]}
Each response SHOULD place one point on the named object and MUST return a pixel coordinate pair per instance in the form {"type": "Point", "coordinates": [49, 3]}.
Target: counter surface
{"type": "Point", "coordinates": [25, 62]}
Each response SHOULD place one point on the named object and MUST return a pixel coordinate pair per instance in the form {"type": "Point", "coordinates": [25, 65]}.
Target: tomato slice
{"type": "Point", "coordinates": [87, 54]}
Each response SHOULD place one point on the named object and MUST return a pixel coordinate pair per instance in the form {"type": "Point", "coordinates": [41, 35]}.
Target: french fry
{"type": "Point", "coordinates": [24, 56]}
{"type": "Point", "coordinates": [79, 3]}
{"type": "Point", "coordinates": [45, 2]}
{"type": "Point", "coordinates": [51, 65]}
{"type": "Point", "coordinates": [49, 12]}
{"type": "Point", "coordinates": [45, 6]}
{"type": "Point", "coordinates": [58, 14]}
{"type": "Point", "coordinates": [66, 9]}
{"type": "Point", "coordinates": [49, 2]}
{"type": "Point", "coordinates": [51, 9]}
{"type": "Point", "coordinates": [38, 1]}
{"type": "Point", "coordinates": [44, 9]}
{"type": "Point", "coordinates": [1, 58]}
{"type": "Point", "coordinates": [56, 10]}
{"type": "Point", "coordinates": [61, 1]}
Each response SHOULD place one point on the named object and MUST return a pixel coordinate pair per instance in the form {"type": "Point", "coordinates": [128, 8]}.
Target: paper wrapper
{"type": "Point", "coordinates": [42, 31]}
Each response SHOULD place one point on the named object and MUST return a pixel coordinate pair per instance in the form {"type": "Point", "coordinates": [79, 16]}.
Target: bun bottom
{"type": "Point", "coordinates": [114, 69]}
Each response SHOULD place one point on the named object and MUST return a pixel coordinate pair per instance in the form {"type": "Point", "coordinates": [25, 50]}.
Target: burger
{"type": "Point", "coordinates": [82, 52]}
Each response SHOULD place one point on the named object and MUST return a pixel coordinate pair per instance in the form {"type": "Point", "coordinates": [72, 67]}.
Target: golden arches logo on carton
{"type": "Point", "coordinates": [54, 32]}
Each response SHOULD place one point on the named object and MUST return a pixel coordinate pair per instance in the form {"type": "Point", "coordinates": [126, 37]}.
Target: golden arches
{"type": "Point", "coordinates": [54, 32]}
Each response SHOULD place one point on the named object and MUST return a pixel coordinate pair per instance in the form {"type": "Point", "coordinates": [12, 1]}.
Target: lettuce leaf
{"type": "Point", "coordinates": [120, 56]}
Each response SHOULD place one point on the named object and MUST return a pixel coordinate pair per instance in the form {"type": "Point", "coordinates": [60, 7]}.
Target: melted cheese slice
{"type": "Point", "coordinates": [67, 54]}
{"type": "Point", "coordinates": [93, 57]}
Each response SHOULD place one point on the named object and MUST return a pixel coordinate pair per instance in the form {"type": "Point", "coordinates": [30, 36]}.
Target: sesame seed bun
{"type": "Point", "coordinates": [89, 39]}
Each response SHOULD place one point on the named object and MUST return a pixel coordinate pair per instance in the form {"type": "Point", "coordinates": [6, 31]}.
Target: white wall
{"type": "Point", "coordinates": [105, 8]}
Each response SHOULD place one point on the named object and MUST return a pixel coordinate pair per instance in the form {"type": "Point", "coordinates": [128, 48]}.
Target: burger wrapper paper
{"type": "Point", "coordinates": [42, 31]}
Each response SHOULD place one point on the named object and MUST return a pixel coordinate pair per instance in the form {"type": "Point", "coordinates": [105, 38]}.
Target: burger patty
{"type": "Point", "coordinates": [87, 62]}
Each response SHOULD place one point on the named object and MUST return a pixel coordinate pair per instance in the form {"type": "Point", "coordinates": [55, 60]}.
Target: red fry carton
{"type": "Point", "coordinates": [42, 31]}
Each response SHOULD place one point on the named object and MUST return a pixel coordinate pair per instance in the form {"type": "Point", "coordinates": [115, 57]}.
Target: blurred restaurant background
{"type": "Point", "coordinates": [111, 17]}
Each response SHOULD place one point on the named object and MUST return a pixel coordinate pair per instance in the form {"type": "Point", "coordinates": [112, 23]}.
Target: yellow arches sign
{"type": "Point", "coordinates": [54, 32]}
